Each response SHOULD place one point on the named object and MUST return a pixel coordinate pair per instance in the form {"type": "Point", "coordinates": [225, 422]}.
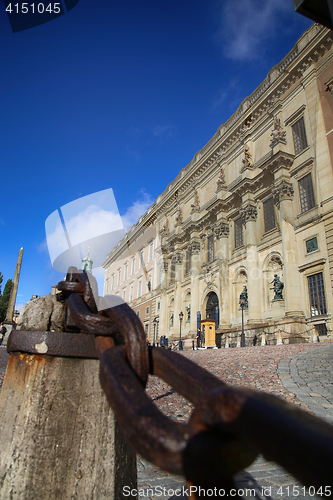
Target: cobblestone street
{"type": "Point", "coordinates": [300, 373]}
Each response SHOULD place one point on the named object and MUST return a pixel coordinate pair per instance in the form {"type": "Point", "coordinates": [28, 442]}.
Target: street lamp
{"type": "Point", "coordinates": [243, 303]}
{"type": "Point", "coordinates": [154, 323]}
{"type": "Point", "coordinates": [181, 315]}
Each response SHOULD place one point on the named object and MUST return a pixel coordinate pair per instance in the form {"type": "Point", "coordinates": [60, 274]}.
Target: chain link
{"type": "Point", "coordinates": [228, 426]}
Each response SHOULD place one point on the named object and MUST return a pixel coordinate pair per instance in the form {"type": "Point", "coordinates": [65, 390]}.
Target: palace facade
{"type": "Point", "coordinates": [254, 209]}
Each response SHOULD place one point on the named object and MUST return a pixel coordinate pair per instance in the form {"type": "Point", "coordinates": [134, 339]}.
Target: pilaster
{"type": "Point", "coordinates": [254, 276]}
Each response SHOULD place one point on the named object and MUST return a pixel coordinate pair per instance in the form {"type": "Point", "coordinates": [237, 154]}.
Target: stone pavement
{"type": "Point", "coordinates": [300, 373]}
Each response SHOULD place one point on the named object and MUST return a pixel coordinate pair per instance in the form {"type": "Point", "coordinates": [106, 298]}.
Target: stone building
{"type": "Point", "coordinates": [256, 201]}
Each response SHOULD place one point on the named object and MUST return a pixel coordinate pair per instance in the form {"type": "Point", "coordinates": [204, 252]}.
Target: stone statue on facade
{"type": "Point", "coordinates": [247, 160]}
{"type": "Point", "coordinates": [179, 216]}
{"type": "Point", "coordinates": [277, 134]}
{"type": "Point", "coordinates": [196, 205]}
{"type": "Point", "coordinates": [277, 287]}
{"type": "Point", "coordinates": [188, 310]}
{"type": "Point", "coordinates": [221, 180]}
{"type": "Point", "coordinates": [165, 228]}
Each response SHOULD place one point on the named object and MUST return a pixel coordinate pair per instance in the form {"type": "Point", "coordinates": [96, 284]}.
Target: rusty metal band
{"type": "Point", "coordinates": [62, 344]}
{"type": "Point", "coordinates": [242, 423]}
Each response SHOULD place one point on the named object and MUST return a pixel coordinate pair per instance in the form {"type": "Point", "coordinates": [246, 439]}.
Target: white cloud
{"type": "Point", "coordinates": [90, 223]}
{"type": "Point", "coordinates": [163, 130]}
{"type": "Point", "coordinates": [247, 24]}
{"type": "Point", "coordinates": [138, 208]}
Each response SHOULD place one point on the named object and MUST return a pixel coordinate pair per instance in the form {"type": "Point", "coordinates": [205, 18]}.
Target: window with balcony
{"type": "Point", "coordinates": [299, 136]}
{"type": "Point", "coordinates": [269, 214]}
{"type": "Point", "coordinates": [238, 232]}
{"type": "Point", "coordinates": [151, 251]}
{"type": "Point", "coordinates": [211, 248]}
{"type": "Point", "coordinates": [306, 193]}
{"type": "Point", "coordinates": [317, 294]}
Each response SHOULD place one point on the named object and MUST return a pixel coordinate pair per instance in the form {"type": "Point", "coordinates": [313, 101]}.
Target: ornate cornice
{"type": "Point", "coordinates": [283, 191]}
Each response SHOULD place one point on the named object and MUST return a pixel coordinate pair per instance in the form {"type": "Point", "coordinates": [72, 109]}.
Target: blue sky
{"type": "Point", "coordinates": [120, 95]}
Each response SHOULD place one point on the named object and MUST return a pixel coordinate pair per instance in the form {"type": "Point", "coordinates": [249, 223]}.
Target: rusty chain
{"type": "Point", "coordinates": [228, 428]}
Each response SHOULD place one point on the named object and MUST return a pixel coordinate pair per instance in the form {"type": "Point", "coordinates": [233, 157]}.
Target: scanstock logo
{"type": "Point", "coordinates": [26, 15]}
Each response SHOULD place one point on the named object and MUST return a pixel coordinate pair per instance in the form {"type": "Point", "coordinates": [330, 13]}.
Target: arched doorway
{"type": "Point", "coordinates": [211, 305]}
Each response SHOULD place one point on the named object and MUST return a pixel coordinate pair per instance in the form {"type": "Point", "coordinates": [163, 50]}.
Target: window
{"type": "Point", "coordinates": [146, 329]}
{"type": "Point", "coordinates": [311, 245]}
{"type": "Point", "coordinates": [269, 215]}
{"type": "Point", "coordinates": [238, 232]}
{"type": "Point", "coordinates": [211, 248]}
{"type": "Point", "coordinates": [317, 294]}
{"type": "Point", "coordinates": [299, 136]}
{"type": "Point", "coordinates": [158, 305]}
{"type": "Point", "coordinates": [321, 329]}
{"type": "Point", "coordinates": [119, 272]}
{"type": "Point", "coordinates": [107, 286]}
{"type": "Point", "coordinates": [147, 310]}
{"type": "Point", "coordinates": [138, 314]}
{"type": "Point", "coordinates": [124, 294]}
{"type": "Point", "coordinates": [112, 287]}
{"type": "Point", "coordinates": [126, 270]}
{"type": "Point", "coordinates": [131, 293]}
{"type": "Point", "coordinates": [133, 265]}
{"type": "Point", "coordinates": [140, 289]}
{"type": "Point", "coordinates": [306, 193]}
{"type": "Point", "coordinates": [187, 261]}
{"type": "Point", "coordinates": [151, 250]}
{"type": "Point", "coordinates": [141, 259]}
{"type": "Point", "coordinates": [173, 270]}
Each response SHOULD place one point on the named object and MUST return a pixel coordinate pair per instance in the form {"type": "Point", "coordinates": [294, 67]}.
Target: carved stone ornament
{"type": "Point", "coordinates": [278, 134]}
{"type": "Point", "coordinates": [165, 229]}
{"type": "Point", "coordinates": [222, 230]}
{"type": "Point", "coordinates": [247, 160]}
{"type": "Point", "coordinates": [194, 247]}
{"type": "Point", "coordinates": [209, 276]}
{"type": "Point", "coordinates": [249, 213]}
{"type": "Point", "coordinates": [221, 180]}
{"type": "Point", "coordinates": [283, 191]}
{"type": "Point", "coordinates": [177, 258]}
{"type": "Point", "coordinates": [195, 207]}
{"type": "Point", "coordinates": [179, 216]}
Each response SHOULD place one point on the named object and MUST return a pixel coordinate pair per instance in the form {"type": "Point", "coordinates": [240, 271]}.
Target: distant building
{"type": "Point", "coordinates": [256, 201]}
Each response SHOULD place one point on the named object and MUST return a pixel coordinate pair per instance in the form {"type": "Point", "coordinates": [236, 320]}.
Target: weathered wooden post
{"type": "Point", "coordinates": [58, 436]}
{"type": "Point", "coordinates": [9, 323]}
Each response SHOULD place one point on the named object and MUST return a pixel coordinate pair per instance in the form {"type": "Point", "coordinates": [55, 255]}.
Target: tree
{"type": "Point", "coordinates": [4, 298]}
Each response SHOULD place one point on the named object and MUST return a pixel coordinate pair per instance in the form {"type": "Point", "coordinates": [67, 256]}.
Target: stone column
{"type": "Point", "coordinates": [283, 196]}
{"type": "Point", "coordinates": [222, 234]}
{"type": "Point", "coordinates": [254, 275]}
{"type": "Point", "coordinates": [194, 248]}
